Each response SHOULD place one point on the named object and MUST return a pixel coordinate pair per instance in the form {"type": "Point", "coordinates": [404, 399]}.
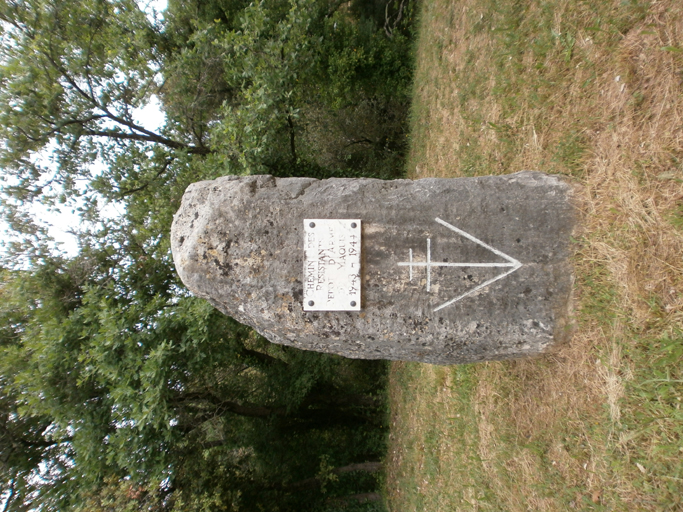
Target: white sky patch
{"type": "Point", "coordinates": [150, 116]}
{"type": "Point", "coordinates": [4, 497]}
{"type": "Point", "coordinates": [153, 8]}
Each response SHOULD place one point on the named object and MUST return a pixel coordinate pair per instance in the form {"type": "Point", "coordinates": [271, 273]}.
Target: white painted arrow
{"type": "Point", "coordinates": [512, 264]}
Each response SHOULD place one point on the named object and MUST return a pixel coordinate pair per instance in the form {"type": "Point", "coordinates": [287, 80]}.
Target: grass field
{"type": "Point", "coordinates": [593, 91]}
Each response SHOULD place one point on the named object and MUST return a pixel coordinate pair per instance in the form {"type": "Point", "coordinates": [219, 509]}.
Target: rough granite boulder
{"type": "Point", "coordinates": [452, 270]}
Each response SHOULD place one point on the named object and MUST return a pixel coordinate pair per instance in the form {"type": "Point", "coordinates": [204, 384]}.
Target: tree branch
{"type": "Point", "coordinates": [149, 137]}
{"type": "Point", "coordinates": [126, 193]}
{"type": "Point", "coordinates": [360, 141]}
{"type": "Point", "coordinates": [389, 30]}
{"type": "Point", "coordinates": [142, 133]}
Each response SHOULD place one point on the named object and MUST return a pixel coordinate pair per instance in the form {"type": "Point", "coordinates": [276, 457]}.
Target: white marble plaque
{"type": "Point", "coordinates": [332, 265]}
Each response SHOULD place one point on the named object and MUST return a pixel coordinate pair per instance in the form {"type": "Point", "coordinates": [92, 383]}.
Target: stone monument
{"type": "Point", "coordinates": [441, 271]}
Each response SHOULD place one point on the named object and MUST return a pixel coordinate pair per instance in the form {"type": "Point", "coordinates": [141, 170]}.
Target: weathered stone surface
{"type": "Point", "coordinates": [238, 242]}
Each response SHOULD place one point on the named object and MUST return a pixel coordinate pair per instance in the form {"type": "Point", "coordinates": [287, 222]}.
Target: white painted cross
{"type": "Point", "coordinates": [511, 263]}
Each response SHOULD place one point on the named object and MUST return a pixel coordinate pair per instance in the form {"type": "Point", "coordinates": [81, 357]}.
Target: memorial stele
{"type": "Point", "coordinates": [441, 271]}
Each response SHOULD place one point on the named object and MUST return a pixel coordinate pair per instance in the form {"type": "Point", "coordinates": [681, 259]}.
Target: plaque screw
{"type": "Point", "coordinates": [310, 302]}
{"type": "Point", "coordinates": [312, 224]}
{"type": "Point", "coordinates": [353, 224]}
{"type": "Point", "coordinates": [353, 303]}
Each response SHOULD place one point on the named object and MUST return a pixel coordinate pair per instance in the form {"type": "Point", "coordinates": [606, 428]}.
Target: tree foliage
{"type": "Point", "coordinates": [118, 390]}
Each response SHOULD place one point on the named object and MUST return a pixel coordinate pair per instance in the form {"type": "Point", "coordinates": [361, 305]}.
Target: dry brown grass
{"type": "Point", "coordinates": [604, 107]}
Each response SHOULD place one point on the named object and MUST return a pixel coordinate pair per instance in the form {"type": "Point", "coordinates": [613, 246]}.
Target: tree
{"type": "Point", "coordinates": [74, 73]}
{"type": "Point", "coordinates": [116, 386]}
{"type": "Point", "coordinates": [121, 388]}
